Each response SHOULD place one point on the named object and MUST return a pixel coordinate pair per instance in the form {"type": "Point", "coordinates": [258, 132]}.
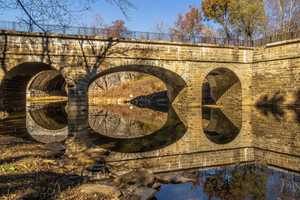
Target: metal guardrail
{"type": "Point", "coordinates": [277, 37]}
{"type": "Point", "coordinates": [129, 35]}
{"type": "Point", "coordinates": [149, 36]}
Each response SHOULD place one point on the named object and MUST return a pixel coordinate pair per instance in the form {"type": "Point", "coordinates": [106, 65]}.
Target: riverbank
{"type": "Point", "coordinates": [120, 94]}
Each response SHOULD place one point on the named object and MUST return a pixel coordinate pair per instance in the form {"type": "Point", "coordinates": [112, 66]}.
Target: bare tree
{"type": "Point", "coordinates": [161, 27]}
{"type": "Point", "coordinates": [283, 14]}
{"type": "Point", "coordinates": [37, 12]}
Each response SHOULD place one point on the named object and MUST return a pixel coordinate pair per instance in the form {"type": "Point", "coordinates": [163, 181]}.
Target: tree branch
{"type": "Point", "coordinates": [29, 15]}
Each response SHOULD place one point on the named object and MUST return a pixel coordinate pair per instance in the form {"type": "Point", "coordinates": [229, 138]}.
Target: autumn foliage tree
{"type": "Point", "coordinates": [218, 11]}
{"type": "Point", "coordinates": [237, 17]}
{"type": "Point", "coordinates": [117, 29]}
{"type": "Point", "coordinates": [188, 25]}
{"type": "Point", "coordinates": [247, 17]}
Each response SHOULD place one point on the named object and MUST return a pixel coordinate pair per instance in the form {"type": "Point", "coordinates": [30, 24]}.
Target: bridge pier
{"type": "Point", "coordinates": [77, 107]}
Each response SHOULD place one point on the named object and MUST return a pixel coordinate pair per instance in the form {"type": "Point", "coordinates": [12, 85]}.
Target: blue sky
{"type": "Point", "coordinates": [148, 12]}
{"type": "Point", "coordinates": [144, 18]}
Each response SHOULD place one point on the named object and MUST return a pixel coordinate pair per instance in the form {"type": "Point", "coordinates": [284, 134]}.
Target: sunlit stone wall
{"type": "Point", "coordinates": [276, 70]}
{"type": "Point", "coordinates": [276, 137]}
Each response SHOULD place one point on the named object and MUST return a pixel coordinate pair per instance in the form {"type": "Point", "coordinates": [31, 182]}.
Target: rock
{"type": "Point", "coordinates": [145, 193]}
{"type": "Point", "coordinates": [100, 189]}
{"type": "Point", "coordinates": [28, 194]}
{"type": "Point", "coordinates": [140, 177]}
{"type": "Point", "coordinates": [96, 153]}
{"type": "Point", "coordinates": [181, 179]}
{"type": "Point", "coordinates": [156, 185]}
{"type": "Point", "coordinates": [5, 140]}
{"type": "Point", "coordinates": [55, 149]}
{"type": "Point", "coordinates": [99, 167]}
{"type": "Point", "coordinates": [173, 179]}
{"type": "Point", "coordinates": [90, 156]}
{"type": "Point", "coordinates": [3, 115]}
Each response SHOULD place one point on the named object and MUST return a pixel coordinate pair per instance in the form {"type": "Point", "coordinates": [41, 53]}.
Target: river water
{"type": "Point", "coordinates": [242, 153]}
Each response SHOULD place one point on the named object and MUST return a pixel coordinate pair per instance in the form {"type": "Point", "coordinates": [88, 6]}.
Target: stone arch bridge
{"type": "Point", "coordinates": [31, 64]}
{"type": "Point", "coordinates": [64, 64]}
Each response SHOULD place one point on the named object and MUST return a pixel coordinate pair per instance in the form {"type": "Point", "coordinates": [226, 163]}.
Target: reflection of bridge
{"type": "Point", "coordinates": [261, 139]}
{"type": "Point", "coordinates": [266, 141]}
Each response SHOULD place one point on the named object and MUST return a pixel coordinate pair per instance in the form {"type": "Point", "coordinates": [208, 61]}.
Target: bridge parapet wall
{"type": "Point", "coordinates": [13, 43]}
{"type": "Point", "coordinates": [276, 72]}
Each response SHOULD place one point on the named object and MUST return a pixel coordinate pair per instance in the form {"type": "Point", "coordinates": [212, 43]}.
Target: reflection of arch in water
{"type": "Point", "coordinates": [218, 127]}
{"type": "Point", "coordinates": [46, 83]}
{"type": "Point", "coordinates": [171, 132]}
{"type": "Point", "coordinates": [48, 123]}
{"type": "Point", "coordinates": [221, 86]}
{"type": "Point", "coordinates": [173, 81]}
{"type": "Point", "coordinates": [14, 84]}
{"type": "Point", "coordinates": [125, 122]}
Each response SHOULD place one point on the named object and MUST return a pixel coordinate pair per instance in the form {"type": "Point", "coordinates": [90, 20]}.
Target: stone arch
{"type": "Point", "coordinates": [48, 123]}
{"type": "Point", "coordinates": [222, 105]}
{"type": "Point", "coordinates": [14, 84]}
{"type": "Point", "coordinates": [222, 86]}
{"type": "Point", "coordinates": [46, 83]}
{"type": "Point", "coordinates": [173, 81]}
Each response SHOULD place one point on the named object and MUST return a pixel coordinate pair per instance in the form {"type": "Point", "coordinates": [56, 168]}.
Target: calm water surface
{"type": "Point", "coordinates": [242, 153]}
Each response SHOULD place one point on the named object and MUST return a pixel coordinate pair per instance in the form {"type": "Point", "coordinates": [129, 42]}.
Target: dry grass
{"type": "Point", "coordinates": [131, 89]}
{"type": "Point", "coordinates": [75, 194]}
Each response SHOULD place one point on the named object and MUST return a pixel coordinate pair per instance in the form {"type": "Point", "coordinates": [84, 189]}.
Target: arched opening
{"type": "Point", "coordinates": [121, 87]}
{"type": "Point", "coordinates": [174, 83]}
{"type": "Point", "coordinates": [221, 105]}
{"type": "Point", "coordinates": [13, 87]}
{"type": "Point", "coordinates": [221, 87]}
{"type": "Point", "coordinates": [46, 85]}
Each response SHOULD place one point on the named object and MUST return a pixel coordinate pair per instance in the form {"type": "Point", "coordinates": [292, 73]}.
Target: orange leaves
{"type": "Point", "coordinates": [215, 9]}
{"type": "Point", "coordinates": [116, 29]}
{"type": "Point", "coordinates": [188, 24]}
